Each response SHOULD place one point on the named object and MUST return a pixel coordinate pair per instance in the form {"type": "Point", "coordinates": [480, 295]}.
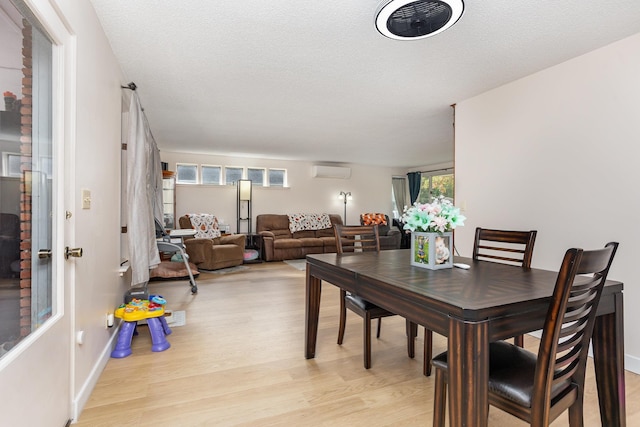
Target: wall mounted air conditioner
{"type": "Point", "coordinates": [330, 172]}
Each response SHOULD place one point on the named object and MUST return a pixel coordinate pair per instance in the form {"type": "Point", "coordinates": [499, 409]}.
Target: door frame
{"type": "Point", "coordinates": [38, 373]}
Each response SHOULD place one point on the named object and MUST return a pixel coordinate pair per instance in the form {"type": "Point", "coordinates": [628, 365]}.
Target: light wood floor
{"type": "Point", "coordinates": [239, 361]}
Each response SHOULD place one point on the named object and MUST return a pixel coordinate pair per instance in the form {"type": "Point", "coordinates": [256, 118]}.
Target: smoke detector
{"type": "Point", "coordinates": [412, 20]}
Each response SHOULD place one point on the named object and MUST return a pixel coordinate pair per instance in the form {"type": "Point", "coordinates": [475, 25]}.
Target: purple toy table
{"type": "Point", "coordinates": [157, 327]}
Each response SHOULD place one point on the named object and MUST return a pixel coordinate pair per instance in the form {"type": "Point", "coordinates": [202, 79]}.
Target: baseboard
{"type": "Point", "coordinates": [81, 398]}
{"type": "Point", "coordinates": [631, 363]}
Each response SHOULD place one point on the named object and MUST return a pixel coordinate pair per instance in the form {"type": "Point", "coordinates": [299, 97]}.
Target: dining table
{"type": "Point", "coordinates": [472, 307]}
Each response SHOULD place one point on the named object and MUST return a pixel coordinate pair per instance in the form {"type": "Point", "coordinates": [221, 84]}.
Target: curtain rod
{"type": "Point", "coordinates": [131, 86]}
{"type": "Point", "coordinates": [435, 170]}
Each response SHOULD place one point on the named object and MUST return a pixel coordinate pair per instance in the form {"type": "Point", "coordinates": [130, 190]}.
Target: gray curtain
{"type": "Point", "coordinates": [399, 186]}
{"type": "Point", "coordinates": [144, 194]}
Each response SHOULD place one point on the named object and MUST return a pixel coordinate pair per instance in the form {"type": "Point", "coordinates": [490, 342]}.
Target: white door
{"type": "Point", "coordinates": [35, 364]}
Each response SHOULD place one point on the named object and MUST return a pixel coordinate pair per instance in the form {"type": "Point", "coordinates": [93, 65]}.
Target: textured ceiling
{"type": "Point", "coordinates": [316, 81]}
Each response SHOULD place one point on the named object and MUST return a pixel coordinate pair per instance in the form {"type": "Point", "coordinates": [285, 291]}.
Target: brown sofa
{"type": "Point", "coordinates": [278, 243]}
{"type": "Point", "coordinates": [213, 254]}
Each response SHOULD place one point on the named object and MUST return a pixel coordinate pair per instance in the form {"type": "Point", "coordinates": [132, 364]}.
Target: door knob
{"type": "Point", "coordinates": [44, 253]}
{"type": "Point", "coordinates": [74, 252]}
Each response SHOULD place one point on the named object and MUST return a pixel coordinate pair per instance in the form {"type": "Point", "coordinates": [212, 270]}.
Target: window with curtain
{"type": "Point", "coordinates": [436, 184]}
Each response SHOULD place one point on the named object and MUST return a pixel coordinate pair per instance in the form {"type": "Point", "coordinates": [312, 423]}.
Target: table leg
{"type": "Point", "coordinates": [412, 333]}
{"type": "Point", "coordinates": [608, 357]}
{"type": "Point", "coordinates": [468, 359]}
{"type": "Point", "coordinates": [312, 312]}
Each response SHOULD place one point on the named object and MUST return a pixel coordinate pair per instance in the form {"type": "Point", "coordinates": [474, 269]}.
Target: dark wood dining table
{"type": "Point", "coordinates": [473, 307]}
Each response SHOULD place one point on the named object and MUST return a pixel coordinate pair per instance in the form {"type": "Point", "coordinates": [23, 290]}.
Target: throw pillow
{"type": "Point", "coordinates": [206, 225]}
{"type": "Point", "coordinates": [373, 219]}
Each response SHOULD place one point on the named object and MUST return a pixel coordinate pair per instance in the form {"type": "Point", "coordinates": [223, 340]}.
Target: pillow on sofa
{"type": "Point", "coordinates": [373, 219]}
{"type": "Point", "coordinates": [206, 225]}
{"type": "Point", "coordinates": [305, 221]}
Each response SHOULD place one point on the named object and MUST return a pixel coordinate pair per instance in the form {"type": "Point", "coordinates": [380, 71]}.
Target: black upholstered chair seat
{"type": "Point", "coordinates": [504, 360]}
{"type": "Point", "coordinates": [361, 303]}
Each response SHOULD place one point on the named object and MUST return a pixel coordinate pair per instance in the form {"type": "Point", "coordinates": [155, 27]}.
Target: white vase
{"type": "Point", "coordinates": [432, 250]}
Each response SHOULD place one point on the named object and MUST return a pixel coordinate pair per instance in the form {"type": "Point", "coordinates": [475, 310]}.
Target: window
{"type": "Point", "coordinates": [435, 185]}
{"type": "Point", "coordinates": [186, 173]}
{"type": "Point", "coordinates": [190, 173]}
{"type": "Point", "coordinates": [211, 174]}
{"type": "Point", "coordinates": [11, 164]}
{"type": "Point", "coordinates": [28, 81]}
{"type": "Point", "coordinates": [277, 177]}
{"type": "Point", "coordinates": [256, 176]}
{"type": "Point", "coordinates": [232, 174]}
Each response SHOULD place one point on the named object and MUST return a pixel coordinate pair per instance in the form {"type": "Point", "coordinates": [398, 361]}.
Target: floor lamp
{"type": "Point", "coordinates": [344, 196]}
{"type": "Point", "coordinates": [244, 195]}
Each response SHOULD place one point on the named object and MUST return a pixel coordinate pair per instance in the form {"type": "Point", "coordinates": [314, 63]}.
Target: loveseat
{"type": "Point", "coordinates": [280, 243]}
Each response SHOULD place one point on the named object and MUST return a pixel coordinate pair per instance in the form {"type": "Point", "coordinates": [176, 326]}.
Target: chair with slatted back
{"type": "Point", "coordinates": [361, 239]}
{"type": "Point", "coordinates": [537, 389]}
{"type": "Point", "coordinates": [504, 246]}
{"type": "Point", "coordinates": [511, 247]}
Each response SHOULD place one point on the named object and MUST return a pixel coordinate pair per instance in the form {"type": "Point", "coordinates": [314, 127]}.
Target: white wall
{"type": "Point", "coordinates": [558, 152]}
{"type": "Point", "coordinates": [370, 187]}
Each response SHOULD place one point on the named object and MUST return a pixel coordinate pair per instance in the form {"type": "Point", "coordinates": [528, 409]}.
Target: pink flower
{"type": "Point", "coordinates": [440, 223]}
{"type": "Point", "coordinates": [434, 209]}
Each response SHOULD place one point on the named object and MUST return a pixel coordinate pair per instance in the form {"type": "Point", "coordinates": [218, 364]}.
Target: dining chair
{"type": "Point", "coordinates": [361, 239]}
{"type": "Point", "coordinates": [537, 389]}
{"type": "Point", "coordinates": [504, 246]}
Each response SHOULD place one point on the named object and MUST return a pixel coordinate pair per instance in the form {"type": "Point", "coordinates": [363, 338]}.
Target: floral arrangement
{"type": "Point", "coordinates": [438, 216]}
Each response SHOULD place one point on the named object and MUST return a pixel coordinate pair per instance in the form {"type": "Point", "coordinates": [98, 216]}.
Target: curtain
{"type": "Point", "coordinates": [414, 185]}
{"type": "Point", "coordinates": [399, 193]}
{"type": "Point", "coordinates": [144, 194]}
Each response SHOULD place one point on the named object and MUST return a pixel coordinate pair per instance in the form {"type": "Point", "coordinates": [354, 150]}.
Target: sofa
{"type": "Point", "coordinates": [214, 251]}
{"type": "Point", "coordinates": [279, 243]}
{"type": "Point", "coordinates": [390, 237]}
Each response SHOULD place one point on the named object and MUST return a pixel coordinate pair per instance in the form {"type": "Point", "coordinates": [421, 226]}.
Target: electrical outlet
{"type": "Point", "coordinates": [109, 320]}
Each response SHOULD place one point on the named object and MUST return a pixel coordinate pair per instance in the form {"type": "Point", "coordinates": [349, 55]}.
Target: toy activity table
{"type": "Point", "coordinates": [151, 310]}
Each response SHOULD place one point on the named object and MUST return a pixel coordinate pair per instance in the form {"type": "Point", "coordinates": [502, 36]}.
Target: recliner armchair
{"type": "Point", "coordinates": [390, 238]}
{"type": "Point", "coordinates": [212, 253]}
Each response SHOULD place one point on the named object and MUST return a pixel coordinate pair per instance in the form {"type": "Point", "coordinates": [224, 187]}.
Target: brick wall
{"type": "Point", "coordinates": [25, 184]}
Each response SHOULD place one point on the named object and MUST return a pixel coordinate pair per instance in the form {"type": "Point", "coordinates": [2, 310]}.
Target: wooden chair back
{"type": "Point", "coordinates": [356, 238]}
{"type": "Point", "coordinates": [564, 345]}
{"type": "Point", "coordinates": [510, 247]}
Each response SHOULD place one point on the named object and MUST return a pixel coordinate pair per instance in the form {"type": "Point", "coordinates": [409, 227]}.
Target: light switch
{"type": "Point", "coordinates": [86, 199]}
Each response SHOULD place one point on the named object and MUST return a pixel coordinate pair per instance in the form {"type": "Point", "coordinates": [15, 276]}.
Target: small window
{"type": "Point", "coordinates": [232, 175]}
{"type": "Point", "coordinates": [11, 164]}
{"type": "Point", "coordinates": [187, 174]}
{"type": "Point", "coordinates": [256, 176]}
{"type": "Point", "coordinates": [211, 174]}
{"type": "Point", "coordinates": [277, 177]}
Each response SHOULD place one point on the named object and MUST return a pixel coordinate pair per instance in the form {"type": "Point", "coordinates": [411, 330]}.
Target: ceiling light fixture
{"type": "Point", "coordinates": [412, 20]}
